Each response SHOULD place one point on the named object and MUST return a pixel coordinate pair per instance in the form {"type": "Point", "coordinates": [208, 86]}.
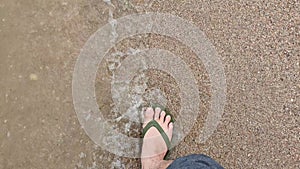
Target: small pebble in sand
{"type": "Point", "coordinates": [8, 134]}
{"type": "Point", "coordinates": [33, 77]}
{"type": "Point", "coordinates": [107, 1]}
{"type": "Point", "coordinates": [82, 155]}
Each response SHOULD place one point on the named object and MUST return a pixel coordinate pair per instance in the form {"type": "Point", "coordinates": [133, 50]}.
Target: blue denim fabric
{"type": "Point", "coordinates": [195, 161]}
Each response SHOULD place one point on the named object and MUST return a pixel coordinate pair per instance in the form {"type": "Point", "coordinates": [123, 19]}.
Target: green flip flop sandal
{"type": "Point", "coordinates": [153, 123]}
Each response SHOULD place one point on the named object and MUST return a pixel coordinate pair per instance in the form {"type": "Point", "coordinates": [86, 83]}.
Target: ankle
{"type": "Point", "coordinates": [164, 164]}
{"type": "Point", "coordinates": [150, 164]}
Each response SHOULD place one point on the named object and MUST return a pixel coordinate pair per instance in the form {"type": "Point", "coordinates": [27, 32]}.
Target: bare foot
{"type": "Point", "coordinates": [154, 147]}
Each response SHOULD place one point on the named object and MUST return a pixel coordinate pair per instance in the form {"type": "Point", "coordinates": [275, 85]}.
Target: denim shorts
{"type": "Point", "coordinates": [195, 161]}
